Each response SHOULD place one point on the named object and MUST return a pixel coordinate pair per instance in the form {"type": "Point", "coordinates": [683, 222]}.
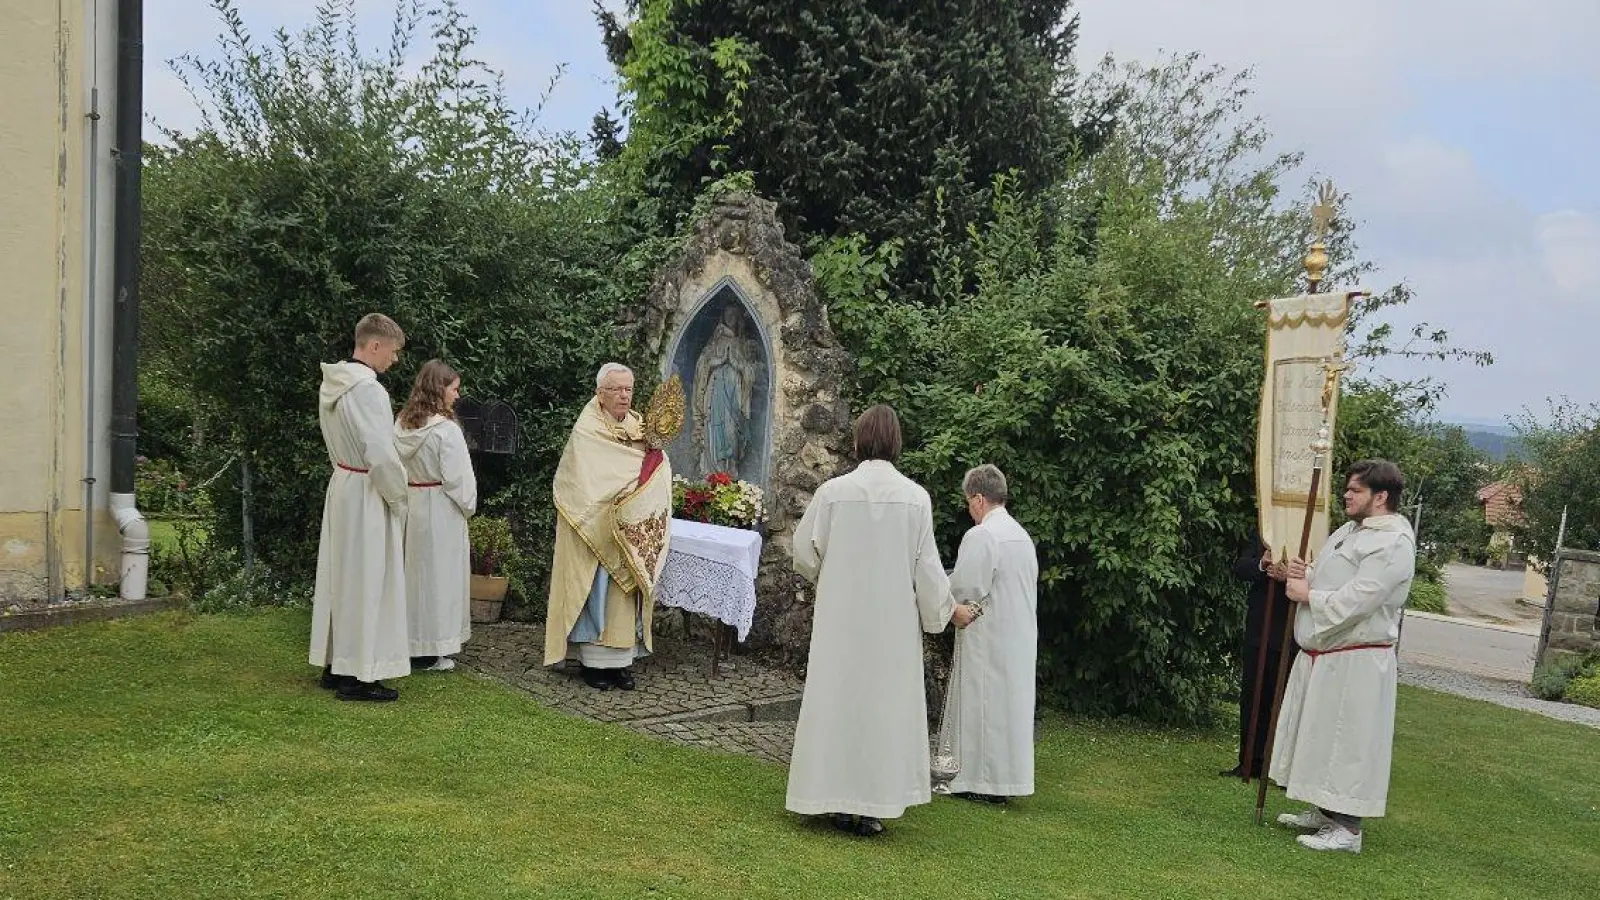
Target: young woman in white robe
{"type": "Point", "coordinates": [866, 541]}
{"type": "Point", "coordinates": [443, 494]}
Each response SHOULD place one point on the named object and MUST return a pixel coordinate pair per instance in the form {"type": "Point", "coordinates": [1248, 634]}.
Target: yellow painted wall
{"type": "Point", "coordinates": [49, 53]}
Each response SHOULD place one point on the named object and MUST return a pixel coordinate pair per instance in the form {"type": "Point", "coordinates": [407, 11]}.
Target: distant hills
{"type": "Point", "coordinates": [1500, 442]}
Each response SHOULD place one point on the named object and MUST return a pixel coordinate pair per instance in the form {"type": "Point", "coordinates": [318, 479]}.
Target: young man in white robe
{"type": "Point", "coordinates": [996, 569]}
{"type": "Point", "coordinates": [1335, 733]}
{"type": "Point", "coordinates": [358, 612]}
{"type": "Point", "coordinates": [442, 494]}
{"type": "Point", "coordinates": [866, 541]}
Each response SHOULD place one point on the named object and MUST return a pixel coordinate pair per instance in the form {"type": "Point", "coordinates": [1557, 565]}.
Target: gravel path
{"type": "Point", "coordinates": [1504, 693]}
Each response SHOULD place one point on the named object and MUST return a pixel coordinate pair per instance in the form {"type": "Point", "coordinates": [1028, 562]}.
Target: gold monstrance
{"type": "Point", "coordinates": [664, 417]}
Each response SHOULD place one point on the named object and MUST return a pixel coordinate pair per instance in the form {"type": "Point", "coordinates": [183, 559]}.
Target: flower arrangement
{"type": "Point", "coordinates": [718, 500]}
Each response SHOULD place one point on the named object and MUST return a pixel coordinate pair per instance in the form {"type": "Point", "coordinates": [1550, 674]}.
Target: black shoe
{"type": "Point", "coordinates": [418, 663]}
{"type": "Point", "coordinates": [867, 826]}
{"type": "Point", "coordinates": [330, 681]}
{"type": "Point", "coordinates": [1235, 772]}
{"type": "Point", "coordinates": [622, 678]}
{"type": "Point", "coordinates": [598, 679]}
{"type": "Point", "coordinates": [982, 798]}
{"type": "Point", "coordinates": [368, 691]}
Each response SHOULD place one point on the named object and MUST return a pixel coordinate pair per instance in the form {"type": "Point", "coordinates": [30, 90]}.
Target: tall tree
{"type": "Point", "coordinates": [1561, 473]}
{"type": "Point", "coordinates": [887, 119]}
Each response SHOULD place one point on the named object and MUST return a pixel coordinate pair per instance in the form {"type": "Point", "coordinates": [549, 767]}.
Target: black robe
{"type": "Point", "coordinates": [1248, 569]}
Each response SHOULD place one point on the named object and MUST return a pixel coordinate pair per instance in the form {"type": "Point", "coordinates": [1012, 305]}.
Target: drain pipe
{"type": "Point", "coordinates": [135, 531]}
{"type": "Point", "coordinates": [91, 328]}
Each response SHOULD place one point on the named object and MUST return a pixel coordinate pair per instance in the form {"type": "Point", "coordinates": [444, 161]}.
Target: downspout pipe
{"type": "Point", "coordinates": [135, 531]}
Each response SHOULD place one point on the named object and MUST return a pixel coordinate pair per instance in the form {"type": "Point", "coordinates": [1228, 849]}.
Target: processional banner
{"type": "Point", "coordinates": [1299, 397]}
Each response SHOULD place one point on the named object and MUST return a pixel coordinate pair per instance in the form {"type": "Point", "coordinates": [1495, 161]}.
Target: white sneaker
{"type": "Point", "coordinates": [442, 664]}
{"type": "Point", "coordinates": [1311, 819]}
{"type": "Point", "coordinates": [1332, 836]}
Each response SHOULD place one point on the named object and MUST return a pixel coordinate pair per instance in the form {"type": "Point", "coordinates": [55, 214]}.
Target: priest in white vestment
{"type": "Point", "coordinates": [1335, 733]}
{"type": "Point", "coordinates": [866, 541]}
{"type": "Point", "coordinates": [358, 610]}
{"type": "Point", "coordinates": [613, 499]}
{"type": "Point", "coordinates": [996, 569]}
{"type": "Point", "coordinates": [442, 493]}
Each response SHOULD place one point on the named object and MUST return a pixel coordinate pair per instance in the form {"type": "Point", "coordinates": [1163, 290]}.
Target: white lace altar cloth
{"type": "Point", "coordinates": [711, 570]}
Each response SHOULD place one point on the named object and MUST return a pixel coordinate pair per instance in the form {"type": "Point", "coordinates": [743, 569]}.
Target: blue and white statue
{"type": "Point", "coordinates": [724, 378]}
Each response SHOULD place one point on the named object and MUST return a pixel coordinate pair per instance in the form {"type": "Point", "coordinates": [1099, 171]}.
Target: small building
{"type": "Point", "coordinates": [1501, 503]}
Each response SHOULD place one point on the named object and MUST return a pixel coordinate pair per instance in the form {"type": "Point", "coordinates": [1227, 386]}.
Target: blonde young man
{"type": "Point", "coordinates": [358, 617]}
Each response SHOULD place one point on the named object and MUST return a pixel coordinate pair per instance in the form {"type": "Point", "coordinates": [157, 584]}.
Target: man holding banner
{"type": "Point", "coordinates": [1336, 729]}
{"type": "Point", "coordinates": [1332, 728]}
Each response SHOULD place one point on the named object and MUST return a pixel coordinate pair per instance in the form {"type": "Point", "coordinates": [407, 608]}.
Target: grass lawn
{"type": "Point", "coordinates": [182, 756]}
{"type": "Point", "coordinates": [164, 534]}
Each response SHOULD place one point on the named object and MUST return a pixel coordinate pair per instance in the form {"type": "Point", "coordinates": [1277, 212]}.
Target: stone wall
{"type": "Point", "coordinates": [741, 241]}
{"type": "Point", "coordinates": [1573, 607]}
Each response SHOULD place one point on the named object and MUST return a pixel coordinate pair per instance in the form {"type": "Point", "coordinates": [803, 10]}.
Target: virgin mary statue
{"type": "Point", "coordinates": [724, 377]}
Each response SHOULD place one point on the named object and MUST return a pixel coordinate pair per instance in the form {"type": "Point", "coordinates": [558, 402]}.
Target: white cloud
{"type": "Point", "coordinates": [1357, 86]}
{"type": "Point", "coordinates": [1571, 244]}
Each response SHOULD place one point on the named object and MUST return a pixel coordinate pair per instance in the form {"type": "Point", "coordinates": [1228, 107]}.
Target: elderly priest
{"type": "Point", "coordinates": [613, 499]}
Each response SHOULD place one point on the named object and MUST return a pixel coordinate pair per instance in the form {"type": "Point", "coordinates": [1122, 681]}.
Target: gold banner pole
{"type": "Point", "coordinates": [1316, 265]}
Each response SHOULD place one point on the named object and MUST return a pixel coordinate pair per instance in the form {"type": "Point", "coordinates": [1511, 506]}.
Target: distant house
{"type": "Point", "coordinates": [1501, 503]}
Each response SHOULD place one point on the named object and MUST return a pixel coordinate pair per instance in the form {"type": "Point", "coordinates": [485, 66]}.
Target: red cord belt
{"type": "Point", "coordinates": [424, 484]}
{"type": "Point", "coordinates": [349, 468]}
{"type": "Point", "coordinates": [1316, 653]}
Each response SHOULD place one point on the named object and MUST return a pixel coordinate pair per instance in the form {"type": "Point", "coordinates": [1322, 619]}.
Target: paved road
{"type": "Point", "coordinates": [1460, 645]}
{"type": "Point", "coordinates": [1487, 633]}
{"type": "Point", "coordinates": [1489, 595]}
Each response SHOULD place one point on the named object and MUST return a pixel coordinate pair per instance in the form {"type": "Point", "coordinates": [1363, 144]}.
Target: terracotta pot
{"type": "Point", "coordinates": [488, 593]}
{"type": "Point", "coordinates": [488, 587]}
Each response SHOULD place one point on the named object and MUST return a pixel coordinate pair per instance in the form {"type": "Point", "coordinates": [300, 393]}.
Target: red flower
{"type": "Point", "coordinates": [719, 479]}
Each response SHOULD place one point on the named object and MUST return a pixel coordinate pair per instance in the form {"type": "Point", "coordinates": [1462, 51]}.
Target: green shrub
{"type": "Point", "coordinates": [1584, 690]}
{"type": "Point", "coordinates": [326, 183]}
{"type": "Point", "coordinates": [1554, 679]}
{"type": "Point", "coordinates": [1427, 596]}
{"type": "Point", "coordinates": [491, 545]}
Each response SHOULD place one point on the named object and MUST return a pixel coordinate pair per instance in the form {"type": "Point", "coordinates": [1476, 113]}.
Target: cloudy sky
{"type": "Point", "coordinates": [1466, 131]}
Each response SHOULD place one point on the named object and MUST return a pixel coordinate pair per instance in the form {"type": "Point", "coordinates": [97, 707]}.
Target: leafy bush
{"type": "Point", "coordinates": [251, 588]}
{"type": "Point", "coordinates": [1552, 680]}
{"type": "Point", "coordinates": [1585, 690]}
{"type": "Point", "coordinates": [1427, 596]}
{"type": "Point", "coordinates": [324, 184]}
{"type": "Point", "coordinates": [492, 548]}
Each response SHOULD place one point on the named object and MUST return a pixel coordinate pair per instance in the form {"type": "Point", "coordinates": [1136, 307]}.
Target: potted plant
{"type": "Point", "coordinates": [490, 538]}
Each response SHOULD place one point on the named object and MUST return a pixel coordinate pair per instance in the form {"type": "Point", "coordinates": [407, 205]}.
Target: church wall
{"type": "Point", "coordinates": [48, 53]}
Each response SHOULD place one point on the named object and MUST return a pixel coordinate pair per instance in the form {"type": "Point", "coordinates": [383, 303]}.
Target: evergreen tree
{"type": "Point", "coordinates": [886, 119]}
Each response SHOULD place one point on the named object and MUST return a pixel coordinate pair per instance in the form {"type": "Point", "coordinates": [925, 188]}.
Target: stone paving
{"type": "Point", "coordinates": [749, 708]}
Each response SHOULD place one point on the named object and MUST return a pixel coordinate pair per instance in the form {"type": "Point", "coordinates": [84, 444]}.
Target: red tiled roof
{"type": "Point", "coordinates": [1501, 501]}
